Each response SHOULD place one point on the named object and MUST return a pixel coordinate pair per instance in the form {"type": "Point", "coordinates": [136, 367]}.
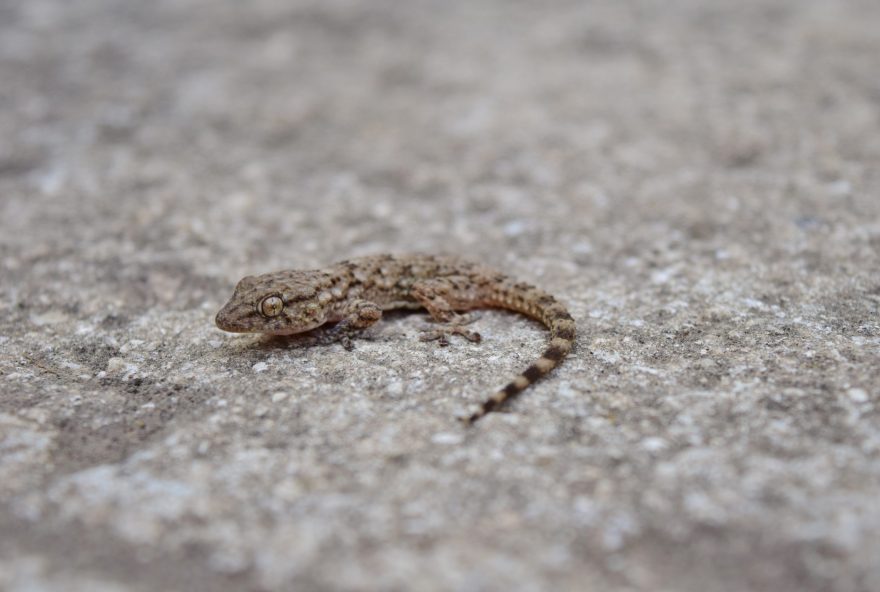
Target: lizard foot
{"type": "Point", "coordinates": [441, 334]}
{"type": "Point", "coordinates": [361, 315]}
{"type": "Point", "coordinates": [466, 318]}
{"type": "Point", "coordinates": [331, 336]}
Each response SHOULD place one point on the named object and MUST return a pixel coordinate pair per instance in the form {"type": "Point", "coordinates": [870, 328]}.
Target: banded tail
{"type": "Point", "coordinates": [541, 306]}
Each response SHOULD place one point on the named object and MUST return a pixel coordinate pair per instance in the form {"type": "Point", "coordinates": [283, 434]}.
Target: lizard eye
{"type": "Point", "coordinates": [271, 306]}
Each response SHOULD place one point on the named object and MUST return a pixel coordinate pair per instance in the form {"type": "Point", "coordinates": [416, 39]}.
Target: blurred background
{"type": "Point", "coordinates": [473, 127]}
{"type": "Point", "coordinates": [697, 180]}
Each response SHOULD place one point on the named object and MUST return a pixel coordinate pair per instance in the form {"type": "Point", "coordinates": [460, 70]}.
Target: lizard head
{"type": "Point", "coordinates": [279, 303]}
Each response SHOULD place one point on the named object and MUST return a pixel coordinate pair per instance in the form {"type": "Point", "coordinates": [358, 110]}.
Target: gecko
{"type": "Point", "coordinates": [353, 294]}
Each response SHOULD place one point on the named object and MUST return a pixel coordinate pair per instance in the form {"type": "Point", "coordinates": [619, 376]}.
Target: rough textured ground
{"type": "Point", "coordinates": [698, 180]}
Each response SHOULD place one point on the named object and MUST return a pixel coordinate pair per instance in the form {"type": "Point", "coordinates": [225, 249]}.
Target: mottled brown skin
{"type": "Point", "coordinates": [354, 293]}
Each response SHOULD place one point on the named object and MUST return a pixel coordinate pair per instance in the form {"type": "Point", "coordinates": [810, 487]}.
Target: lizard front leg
{"type": "Point", "coordinates": [437, 296]}
{"type": "Point", "coordinates": [359, 315]}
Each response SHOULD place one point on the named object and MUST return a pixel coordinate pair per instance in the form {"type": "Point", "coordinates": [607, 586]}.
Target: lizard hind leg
{"type": "Point", "coordinates": [436, 295]}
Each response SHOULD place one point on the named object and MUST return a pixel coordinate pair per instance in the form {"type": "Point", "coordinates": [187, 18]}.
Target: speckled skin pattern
{"type": "Point", "coordinates": [354, 293]}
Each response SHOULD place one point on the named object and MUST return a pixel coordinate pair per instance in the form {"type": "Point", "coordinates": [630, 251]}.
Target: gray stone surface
{"type": "Point", "coordinates": [699, 181]}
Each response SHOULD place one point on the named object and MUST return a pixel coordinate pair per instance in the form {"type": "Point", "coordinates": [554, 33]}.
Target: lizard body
{"type": "Point", "coordinates": [354, 293]}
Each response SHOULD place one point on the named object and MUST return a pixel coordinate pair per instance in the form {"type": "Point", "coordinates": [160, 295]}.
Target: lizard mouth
{"type": "Point", "coordinates": [224, 322]}
{"type": "Point", "coordinates": [229, 319]}
{"type": "Point", "coordinates": [284, 331]}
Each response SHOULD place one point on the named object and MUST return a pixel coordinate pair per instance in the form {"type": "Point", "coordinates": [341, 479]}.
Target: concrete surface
{"type": "Point", "coordinates": [699, 181]}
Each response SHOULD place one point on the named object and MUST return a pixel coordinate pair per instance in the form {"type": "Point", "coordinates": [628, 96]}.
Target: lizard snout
{"type": "Point", "coordinates": [227, 319]}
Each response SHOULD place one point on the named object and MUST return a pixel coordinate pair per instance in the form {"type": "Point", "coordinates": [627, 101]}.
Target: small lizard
{"type": "Point", "coordinates": [354, 293]}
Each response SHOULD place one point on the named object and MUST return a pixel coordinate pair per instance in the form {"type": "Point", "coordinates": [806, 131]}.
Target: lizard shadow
{"type": "Point", "coordinates": [313, 338]}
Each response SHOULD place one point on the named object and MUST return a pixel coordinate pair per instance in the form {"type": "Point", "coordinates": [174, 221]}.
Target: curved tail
{"type": "Point", "coordinates": [543, 307]}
